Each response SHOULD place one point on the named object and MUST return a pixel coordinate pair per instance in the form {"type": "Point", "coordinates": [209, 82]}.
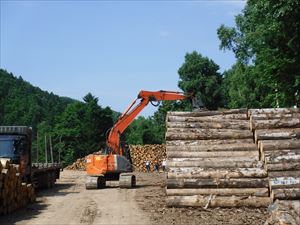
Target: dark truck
{"type": "Point", "coordinates": [15, 144]}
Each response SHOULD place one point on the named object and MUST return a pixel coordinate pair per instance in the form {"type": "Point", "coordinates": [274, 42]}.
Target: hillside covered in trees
{"type": "Point", "coordinates": [265, 41]}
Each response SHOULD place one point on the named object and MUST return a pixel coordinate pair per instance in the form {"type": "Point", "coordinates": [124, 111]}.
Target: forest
{"type": "Point", "coordinates": [266, 44]}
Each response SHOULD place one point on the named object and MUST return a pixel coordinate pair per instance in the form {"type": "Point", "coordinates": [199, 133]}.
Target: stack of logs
{"type": "Point", "coordinates": [284, 213]}
{"type": "Point", "coordinates": [277, 132]}
{"type": "Point", "coordinates": [155, 154]}
{"type": "Point", "coordinates": [79, 164]}
{"type": "Point", "coordinates": [13, 193]}
{"type": "Point", "coordinates": [213, 161]}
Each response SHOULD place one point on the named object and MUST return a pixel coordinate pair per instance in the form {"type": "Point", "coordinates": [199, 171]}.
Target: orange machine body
{"type": "Point", "coordinates": [100, 164]}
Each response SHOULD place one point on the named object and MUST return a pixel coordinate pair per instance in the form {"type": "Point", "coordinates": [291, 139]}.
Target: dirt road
{"type": "Point", "coordinates": [70, 203]}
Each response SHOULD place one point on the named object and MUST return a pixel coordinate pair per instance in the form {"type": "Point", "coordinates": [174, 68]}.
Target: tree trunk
{"type": "Point", "coordinates": [273, 111]}
{"type": "Point", "coordinates": [208, 142]}
{"type": "Point", "coordinates": [276, 123]}
{"type": "Point", "coordinates": [283, 158]}
{"type": "Point", "coordinates": [213, 124]}
{"type": "Point", "coordinates": [209, 134]}
{"type": "Point", "coordinates": [213, 163]}
{"type": "Point", "coordinates": [279, 153]}
{"type": "Point", "coordinates": [189, 118]}
{"type": "Point", "coordinates": [286, 194]}
{"type": "Point", "coordinates": [279, 144]}
{"type": "Point", "coordinates": [214, 202]}
{"type": "Point", "coordinates": [275, 134]}
{"type": "Point", "coordinates": [274, 174]}
{"type": "Point", "coordinates": [209, 113]}
{"type": "Point", "coordinates": [259, 192]}
{"type": "Point", "coordinates": [214, 148]}
{"type": "Point", "coordinates": [283, 166]}
{"type": "Point", "coordinates": [218, 183]}
{"type": "Point", "coordinates": [284, 182]}
{"type": "Point", "coordinates": [186, 154]}
{"type": "Point", "coordinates": [217, 173]}
{"type": "Point", "coordinates": [266, 116]}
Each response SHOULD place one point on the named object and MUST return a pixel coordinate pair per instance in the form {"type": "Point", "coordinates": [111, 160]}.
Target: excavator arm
{"type": "Point", "coordinates": [113, 141]}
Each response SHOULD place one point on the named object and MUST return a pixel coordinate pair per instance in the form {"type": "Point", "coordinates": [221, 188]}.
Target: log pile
{"type": "Point", "coordinates": [213, 162]}
{"type": "Point", "coordinates": [13, 193]}
{"type": "Point", "coordinates": [284, 213]}
{"type": "Point", "coordinates": [79, 164]}
{"type": "Point", "coordinates": [277, 133]}
{"type": "Point", "coordinates": [155, 154]}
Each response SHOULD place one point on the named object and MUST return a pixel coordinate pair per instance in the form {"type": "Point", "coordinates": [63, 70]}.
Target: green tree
{"type": "Point", "coordinates": [266, 42]}
{"type": "Point", "coordinates": [199, 75]}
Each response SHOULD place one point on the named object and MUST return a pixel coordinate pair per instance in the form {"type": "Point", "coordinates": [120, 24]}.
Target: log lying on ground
{"type": "Point", "coordinates": [213, 163]}
{"type": "Point", "coordinates": [218, 183]}
{"type": "Point", "coordinates": [286, 194]}
{"type": "Point", "coordinates": [278, 144]}
{"type": "Point", "coordinates": [259, 192]}
{"type": "Point", "coordinates": [186, 154]}
{"type": "Point", "coordinates": [208, 142]}
{"type": "Point", "coordinates": [275, 123]}
{"type": "Point", "coordinates": [283, 166]}
{"type": "Point", "coordinates": [213, 124]}
{"type": "Point", "coordinates": [79, 164]}
{"type": "Point", "coordinates": [271, 111]}
{"type": "Point", "coordinates": [214, 148]}
{"type": "Point", "coordinates": [209, 113]}
{"type": "Point", "coordinates": [217, 173]}
{"type": "Point", "coordinates": [275, 134]}
{"type": "Point", "coordinates": [284, 182]}
{"type": "Point", "coordinates": [214, 202]}
{"type": "Point", "coordinates": [284, 213]}
{"type": "Point", "coordinates": [209, 134]}
{"type": "Point", "coordinates": [217, 160]}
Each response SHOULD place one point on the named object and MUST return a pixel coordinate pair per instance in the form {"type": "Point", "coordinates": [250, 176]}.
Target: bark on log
{"type": "Point", "coordinates": [214, 202]}
{"type": "Point", "coordinates": [273, 111]}
{"type": "Point", "coordinates": [208, 142]}
{"type": "Point", "coordinates": [259, 192]}
{"type": "Point", "coordinates": [273, 174]}
{"type": "Point", "coordinates": [279, 144]}
{"type": "Point", "coordinates": [277, 153]}
{"type": "Point", "coordinates": [171, 118]}
{"type": "Point", "coordinates": [232, 159]}
{"type": "Point", "coordinates": [286, 194]}
{"type": "Point", "coordinates": [266, 116]}
{"type": "Point", "coordinates": [217, 173]}
{"type": "Point", "coordinates": [214, 148]}
{"type": "Point", "coordinates": [283, 158]}
{"type": "Point", "coordinates": [276, 123]}
{"type": "Point", "coordinates": [218, 183]}
{"type": "Point", "coordinates": [283, 166]}
{"type": "Point", "coordinates": [284, 182]}
{"type": "Point", "coordinates": [217, 164]}
{"type": "Point", "coordinates": [209, 134]}
{"type": "Point", "coordinates": [186, 154]}
{"type": "Point", "coordinates": [213, 124]}
{"type": "Point", "coordinates": [209, 113]}
{"type": "Point", "coordinates": [275, 134]}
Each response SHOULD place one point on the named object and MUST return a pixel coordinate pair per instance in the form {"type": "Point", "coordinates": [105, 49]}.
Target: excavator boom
{"type": "Point", "coordinates": [113, 141]}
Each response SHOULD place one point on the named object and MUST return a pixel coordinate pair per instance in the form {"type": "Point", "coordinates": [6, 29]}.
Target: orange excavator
{"type": "Point", "coordinates": [113, 165]}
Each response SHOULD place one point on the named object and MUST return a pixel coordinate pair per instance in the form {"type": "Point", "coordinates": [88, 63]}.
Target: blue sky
{"type": "Point", "coordinates": [112, 49]}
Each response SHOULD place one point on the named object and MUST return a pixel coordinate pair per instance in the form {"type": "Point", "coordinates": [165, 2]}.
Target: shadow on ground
{"type": "Point", "coordinates": [32, 210]}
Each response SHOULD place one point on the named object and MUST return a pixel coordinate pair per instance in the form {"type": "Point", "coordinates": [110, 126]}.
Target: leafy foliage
{"type": "Point", "coordinates": [266, 42]}
{"type": "Point", "coordinates": [199, 75]}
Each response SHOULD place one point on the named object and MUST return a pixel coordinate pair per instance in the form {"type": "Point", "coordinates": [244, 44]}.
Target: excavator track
{"type": "Point", "coordinates": [127, 180]}
{"type": "Point", "coordinates": [95, 182]}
